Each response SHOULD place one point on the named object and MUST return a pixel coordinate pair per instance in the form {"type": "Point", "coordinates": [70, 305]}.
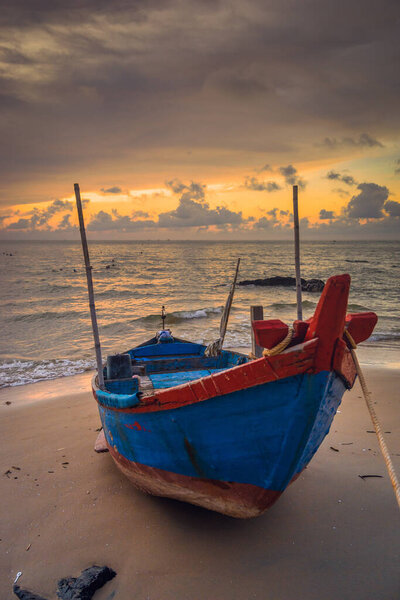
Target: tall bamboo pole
{"type": "Point", "coordinates": [297, 251]}
{"type": "Point", "coordinates": [90, 287]}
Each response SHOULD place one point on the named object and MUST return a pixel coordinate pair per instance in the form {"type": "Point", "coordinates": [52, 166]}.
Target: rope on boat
{"type": "Point", "coordinates": [281, 346]}
{"type": "Point", "coordinates": [374, 418]}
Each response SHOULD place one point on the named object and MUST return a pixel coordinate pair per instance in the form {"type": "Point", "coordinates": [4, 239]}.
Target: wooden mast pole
{"type": "Point", "coordinates": [297, 251]}
{"type": "Point", "coordinates": [90, 287]}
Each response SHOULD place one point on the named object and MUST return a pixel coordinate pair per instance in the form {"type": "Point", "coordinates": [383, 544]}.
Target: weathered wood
{"type": "Point", "coordinates": [256, 314]}
{"type": "Point", "coordinates": [92, 306]}
{"type": "Point", "coordinates": [228, 305]}
{"type": "Point", "coordinates": [297, 251]}
{"type": "Point", "coordinates": [214, 349]}
{"type": "Point", "coordinates": [100, 444]}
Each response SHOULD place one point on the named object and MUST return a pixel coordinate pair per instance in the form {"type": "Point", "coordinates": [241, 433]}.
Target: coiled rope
{"type": "Point", "coordinates": [281, 346]}
{"type": "Point", "coordinates": [374, 418]}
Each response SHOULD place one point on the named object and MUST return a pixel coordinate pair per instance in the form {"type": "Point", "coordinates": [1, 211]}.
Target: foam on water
{"type": "Point", "coordinates": [45, 323]}
{"type": "Point", "coordinates": [21, 372]}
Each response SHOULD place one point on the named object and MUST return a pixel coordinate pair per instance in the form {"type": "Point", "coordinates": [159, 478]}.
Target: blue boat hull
{"type": "Point", "coordinates": [259, 439]}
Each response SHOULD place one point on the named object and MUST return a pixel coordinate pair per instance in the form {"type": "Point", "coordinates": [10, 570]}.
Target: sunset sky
{"type": "Point", "coordinates": [187, 119]}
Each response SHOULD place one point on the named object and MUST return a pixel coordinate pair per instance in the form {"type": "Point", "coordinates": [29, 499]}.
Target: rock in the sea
{"type": "Point", "coordinates": [310, 285]}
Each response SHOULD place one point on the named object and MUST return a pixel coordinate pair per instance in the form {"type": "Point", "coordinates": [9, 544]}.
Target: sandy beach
{"type": "Point", "coordinates": [331, 535]}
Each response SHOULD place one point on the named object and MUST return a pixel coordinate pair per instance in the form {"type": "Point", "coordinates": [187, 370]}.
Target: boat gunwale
{"type": "Point", "coordinates": [156, 401]}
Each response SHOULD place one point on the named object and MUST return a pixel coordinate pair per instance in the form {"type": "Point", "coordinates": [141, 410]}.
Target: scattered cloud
{"type": "Point", "coordinates": [347, 179]}
{"type": "Point", "coordinates": [252, 183]}
{"type": "Point", "coordinates": [397, 169]}
{"type": "Point", "coordinates": [291, 176]}
{"type": "Point", "coordinates": [341, 192]}
{"type": "Point", "coordinates": [112, 190]}
{"type": "Point", "coordinates": [364, 140]}
{"type": "Point", "coordinates": [39, 218]}
{"type": "Point", "coordinates": [392, 208]}
{"type": "Point", "coordinates": [65, 224]}
{"type": "Point", "coordinates": [326, 214]}
{"type": "Point", "coordinates": [104, 221]}
{"type": "Point", "coordinates": [194, 211]}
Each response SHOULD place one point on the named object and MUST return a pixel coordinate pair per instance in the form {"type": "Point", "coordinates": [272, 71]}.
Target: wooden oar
{"type": "Point", "coordinates": [215, 348]}
{"type": "Point", "coordinates": [90, 287]}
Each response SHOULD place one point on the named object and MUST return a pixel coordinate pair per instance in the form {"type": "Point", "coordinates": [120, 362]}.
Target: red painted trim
{"type": "Point", "coordinates": [263, 370]}
{"type": "Point", "coordinates": [361, 325]}
{"type": "Point", "coordinates": [238, 500]}
{"type": "Point", "coordinates": [270, 332]}
{"type": "Point", "coordinates": [327, 324]}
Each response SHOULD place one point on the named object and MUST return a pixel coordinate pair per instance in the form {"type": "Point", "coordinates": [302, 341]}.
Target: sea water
{"type": "Point", "coordinates": [45, 322]}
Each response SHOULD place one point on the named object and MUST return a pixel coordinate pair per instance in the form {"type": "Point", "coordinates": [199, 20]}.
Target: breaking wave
{"type": "Point", "coordinates": [180, 316]}
{"type": "Point", "coordinates": [391, 336]}
{"type": "Point", "coordinates": [20, 372]}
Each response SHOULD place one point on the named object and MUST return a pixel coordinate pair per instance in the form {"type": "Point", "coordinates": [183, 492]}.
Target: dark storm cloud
{"type": "Point", "coordinates": [291, 176]}
{"type": "Point", "coordinates": [86, 83]}
{"type": "Point", "coordinates": [363, 140]}
{"type": "Point", "coordinates": [347, 179]}
{"type": "Point", "coordinates": [369, 203]}
{"type": "Point", "coordinates": [252, 183]}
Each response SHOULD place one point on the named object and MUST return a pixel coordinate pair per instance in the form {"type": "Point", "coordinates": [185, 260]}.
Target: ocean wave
{"type": "Point", "coordinates": [352, 307]}
{"type": "Point", "coordinates": [389, 336]}
{"type": "Point", "coordinates": [56, 287]}
{"type": "Point", "coordinates": [48, 314]}
{"type": "Point", "coordinates": [290, 305]}
{"type": "Point", "coordinates": [20, 372]}
{"type": "Point", "coordinates": [181, 315]}
{"type": "Point", "coordinates": [115, 293]}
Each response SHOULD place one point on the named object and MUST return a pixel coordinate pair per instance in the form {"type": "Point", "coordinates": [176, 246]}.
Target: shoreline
{"type": "Point", "coordinates": [331, 535]}
{"type": "Point", "coordinates": [369, 355]}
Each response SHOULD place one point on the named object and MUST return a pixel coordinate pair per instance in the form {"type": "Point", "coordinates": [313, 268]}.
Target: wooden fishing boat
{"type": "Point", "coordinates": [230, 432]}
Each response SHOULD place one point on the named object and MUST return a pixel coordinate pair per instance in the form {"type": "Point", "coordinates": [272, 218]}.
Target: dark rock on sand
{"type": "Point", "coordinates": [310, 285]}
{"type": "Point", "coordinates": [26, 594]}
{"type": "Point", "coordinates": [84, 586]}
{"type": "Point", "coordinates": [74, 588]}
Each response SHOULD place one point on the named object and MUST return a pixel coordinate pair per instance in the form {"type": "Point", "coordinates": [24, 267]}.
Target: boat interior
{"type": "Point", "coordinates": [162, 365]}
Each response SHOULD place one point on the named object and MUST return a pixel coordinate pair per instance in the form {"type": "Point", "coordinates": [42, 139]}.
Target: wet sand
{"type": "Point", "coordinates": [331, 536]}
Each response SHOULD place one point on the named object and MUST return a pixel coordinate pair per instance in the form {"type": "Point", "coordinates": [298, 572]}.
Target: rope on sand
{"type": "Point", "coordinates": [374, 418]}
